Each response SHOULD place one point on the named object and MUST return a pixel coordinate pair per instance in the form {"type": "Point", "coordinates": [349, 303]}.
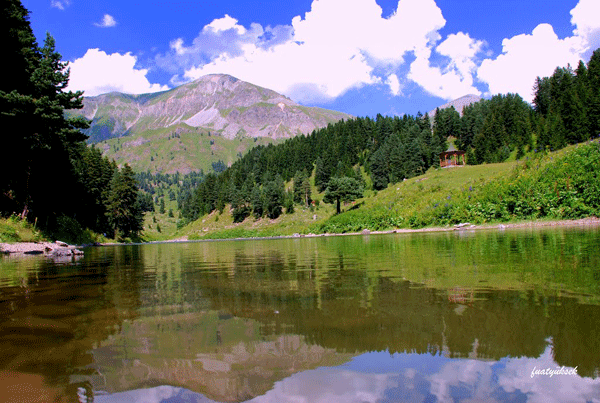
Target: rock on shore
{"type": "Point", "coordinates": [50, 249]}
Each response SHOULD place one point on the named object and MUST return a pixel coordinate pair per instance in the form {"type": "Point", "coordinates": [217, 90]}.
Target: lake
{"type": "Point", "coordinates": [493, 315]}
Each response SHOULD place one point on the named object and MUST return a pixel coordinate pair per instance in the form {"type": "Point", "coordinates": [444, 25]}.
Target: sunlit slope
{"type": "Point", "coordinates": [236, 114]}
{"type": "Point", "coordinates": [559, 185]}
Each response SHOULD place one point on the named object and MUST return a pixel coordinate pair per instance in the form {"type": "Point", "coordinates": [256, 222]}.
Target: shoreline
{"type": "Point", "coordinates": [58, 248]}
{"type": "Point", "coordinates": [580, 222]}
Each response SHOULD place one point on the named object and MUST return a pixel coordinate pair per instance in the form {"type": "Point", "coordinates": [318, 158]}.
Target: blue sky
{"type": "Point", "coordinates": [362, 57]}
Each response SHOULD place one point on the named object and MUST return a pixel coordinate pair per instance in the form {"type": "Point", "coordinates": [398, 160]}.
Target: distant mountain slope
{"type": "Point", "coordinates": [221, 104]}
{"type": "Point", "coordinates": [459, 104]}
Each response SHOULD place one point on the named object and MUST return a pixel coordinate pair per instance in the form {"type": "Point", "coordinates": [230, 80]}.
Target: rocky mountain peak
{"type": "Point", "coordinates": [218, 103]}
{"type": "Point", "coordinates": [459, 104]}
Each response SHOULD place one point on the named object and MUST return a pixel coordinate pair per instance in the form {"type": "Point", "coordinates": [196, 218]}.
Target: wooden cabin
{"type": "Point", "coordinates": [452, 158]}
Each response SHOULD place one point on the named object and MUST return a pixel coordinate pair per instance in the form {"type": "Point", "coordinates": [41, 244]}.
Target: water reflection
{"type": "Point", "coordinates": [423, 317]}
{"type": "Point", "coordinates": [383, 377]}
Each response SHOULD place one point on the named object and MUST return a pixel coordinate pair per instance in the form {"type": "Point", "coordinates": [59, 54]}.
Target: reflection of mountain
{"type": "Point", "coordinates": [232, 320]}
{"type": "Point", "coordinates": [351, 296]}
{"type": "Point", "coordinates": [405, 318]}
{"type": "Point", "coordinates": [224, 358]}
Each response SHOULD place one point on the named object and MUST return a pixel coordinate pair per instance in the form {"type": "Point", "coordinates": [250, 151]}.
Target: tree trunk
{"type": "Point", "coordinates": [24, 213]}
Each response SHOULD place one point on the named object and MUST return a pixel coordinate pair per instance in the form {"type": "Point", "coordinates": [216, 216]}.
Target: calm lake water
{"type": "Point", "coordinates": [459, 316]}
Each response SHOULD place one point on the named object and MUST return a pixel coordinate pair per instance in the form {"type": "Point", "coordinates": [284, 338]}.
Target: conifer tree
{"type": "Point", "coordinates": [342, 189]}
{"type": "Point", "coordinates": [123, 210]}
{"type": "Point", "coordinates": [593, 83]}
{"type": "Point", "coordinates": [379, 169]}
{"type": "Point", "coordinates": [274, 193]}
{"type": "Point", "coordinates": [34, 100]}
{"type": "Point", "coordinates": [302, 192]}
{"type": "Point", "coordinates": [321, 175]}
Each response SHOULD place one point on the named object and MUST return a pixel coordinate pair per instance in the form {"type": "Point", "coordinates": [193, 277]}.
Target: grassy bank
{"type": "Point", "coordinates": [553, 186]}
{"type": "Point", "coordinates": [542, 186]}
{"type": "Point", "coordinates": [14, 229]}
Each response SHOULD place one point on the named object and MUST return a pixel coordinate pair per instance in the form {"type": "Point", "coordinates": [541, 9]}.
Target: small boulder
{"type": "Point", "coordinates": [62, 252]}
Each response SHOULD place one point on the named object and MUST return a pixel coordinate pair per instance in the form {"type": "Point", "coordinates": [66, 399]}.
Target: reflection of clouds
{"type": "Point", "coordinates": [153, 395]}
{"type": "Point", "coordinates": [376, 377]}
{"type": "Point", "coordinates": [328, 385]}
{"type": "Point", "coordinates": [413, 377]}
{"type": "Point", "coordinates": [541, 388]}
{"type": "Point", "coordinates": [475, 376]}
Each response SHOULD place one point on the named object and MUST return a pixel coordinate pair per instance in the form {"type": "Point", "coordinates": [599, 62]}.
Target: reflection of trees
{"type": "Point", "coordinates": [576, 336]}
{"type": "Point", "coordinates": [338, 303]}
{"type": "Point", "coordinates": [242, 315]}
{"type": "Point", "coordinates": [183, 350]}
{"type": "Point", "coordinates": [50, 322]}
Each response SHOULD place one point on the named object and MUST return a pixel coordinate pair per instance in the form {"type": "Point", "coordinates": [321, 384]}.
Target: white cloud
{"type": "Point", "coordinates": [517, 375]}
{"type": "Point", "coordinates": [313, 59]}
{"type": "Point", "coordinates": [462, 51]}
{"type": "Point", "coordinates": [150, 395]}
{"type": "Point", "coordinates": [224, 24]}
{"type": "Point", "coordinates": [107, 21]}
{"type": "Point", "coordinates": [527, 56]}
{"type": "Point", "coordinates": [585, 18]}
{"type": "Point", "coordinates": [60, 4]}
{"type": "Point", "coordinates": [177, 46]}
{"type": "Point", "coordinates": [394, 83]}
{"type": "Point", "coordinates": [97, 73]}
{"type": "Point", "coordinates": [340, 45]}
{"type": "Point", "coordinates": [455, 78]}
{"type": "Point", "coordinates": [340, 386]}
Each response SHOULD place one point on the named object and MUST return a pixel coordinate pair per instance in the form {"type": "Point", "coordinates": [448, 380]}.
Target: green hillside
{"type": "Point", "coordinates": [180, 149]}
{"type": "Point", "coordinates": [134, 128]}
{"type": "Point", "coordinates": [558, 185]}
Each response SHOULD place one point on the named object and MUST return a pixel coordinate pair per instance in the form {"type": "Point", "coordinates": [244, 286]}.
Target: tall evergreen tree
{"type": "Point", "coordinates": [342, 189]}
{"type": "Point", "coordinates": [258, 201]}
{"type": "Point", "coordinates": [379, 169]}
{"type": "Point", "coordinates": [593, 83]}
{"type": "Point", "coordinates": [123, 210]}
{"type": "Point", "coordinates": [302, 192]}
{"type": "Point", "coordinates": [321, 174]}
{"type": "Point", "coordinates": [274, 194]}
{"type": "Point", "coordinates": [33, 102]}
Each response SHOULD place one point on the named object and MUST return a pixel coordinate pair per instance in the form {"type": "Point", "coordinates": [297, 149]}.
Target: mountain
{"type": "Point", "coordinates": [459, 104]}
{"type": "Point", "coordinates": [217, 117]}
{"type": "Point", "coordinates": [220, 103]}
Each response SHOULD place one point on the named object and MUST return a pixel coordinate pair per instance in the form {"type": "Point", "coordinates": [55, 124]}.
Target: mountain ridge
{"type": "Point", "coordinates": [218, 103]}
{"type": "Point", "coordinates": [214, 118]}
{"type": "Point", "coordinates": [459, 104]}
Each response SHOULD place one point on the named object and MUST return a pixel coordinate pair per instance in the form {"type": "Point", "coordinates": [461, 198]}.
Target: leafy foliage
{"type": "Point", "coordinates": [52, 177]}
{"type": "Point", "coordinates": [123, 209]}
{"type": "Point", "coordinates": [342, 189]}
{"type": "Point", "coordinates": [568, 104]}
{"type": "Point", "coordinates": [392, 149]}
